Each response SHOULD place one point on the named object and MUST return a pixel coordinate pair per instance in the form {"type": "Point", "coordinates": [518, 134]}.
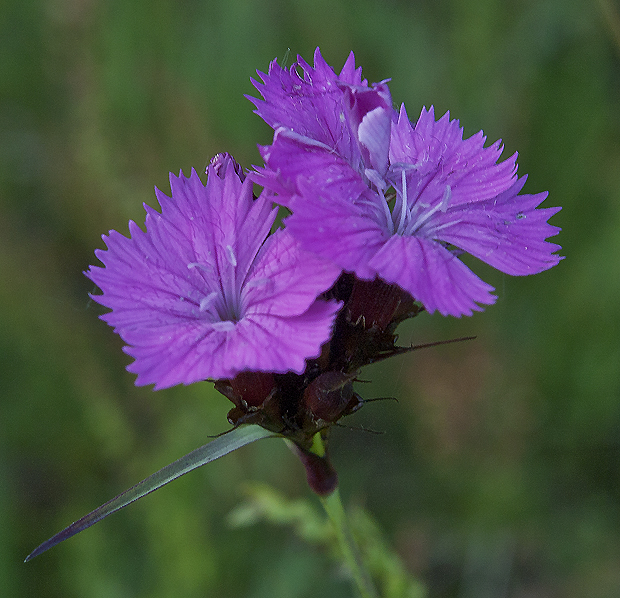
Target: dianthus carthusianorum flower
{"type": "Point", "coordinates": [207, 292]}
{"type": "Point", "coordinates": [340, 113]}
{"type": "Point", "coordinates": [385, 198]}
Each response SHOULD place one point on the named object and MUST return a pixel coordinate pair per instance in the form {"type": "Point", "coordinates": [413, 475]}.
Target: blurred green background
{"type": "Point", "coordinates": [498, 474]}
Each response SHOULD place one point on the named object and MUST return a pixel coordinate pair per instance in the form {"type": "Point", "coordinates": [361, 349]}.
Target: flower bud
{"type": "Point", "coordinates": [376, 304]}
{"type": "Point", "coordinates": [247, 389]}
{"type": "Point", "coordinates": [330, 396]}
{"type": "Point", "coordinates": [320, 473]}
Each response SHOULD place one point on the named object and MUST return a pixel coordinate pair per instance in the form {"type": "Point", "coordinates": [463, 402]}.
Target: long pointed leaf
{"type": "Point", "coordinates": [215, 449]}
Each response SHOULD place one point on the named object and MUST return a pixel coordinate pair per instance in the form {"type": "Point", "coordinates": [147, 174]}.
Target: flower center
{"type": "Point", "coordinates": [410, 213]}
{"type": "Point", "coordinates": [221, 307]}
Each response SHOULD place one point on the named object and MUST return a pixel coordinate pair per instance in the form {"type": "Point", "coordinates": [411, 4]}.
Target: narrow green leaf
{"type": "Point", "coordinates": [215, 449]}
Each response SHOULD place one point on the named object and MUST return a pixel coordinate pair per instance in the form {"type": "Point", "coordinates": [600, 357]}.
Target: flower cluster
{"type": "Point", "coordinates": [396, 200]}
{"type": "Point", "coordinates": [380, 211]}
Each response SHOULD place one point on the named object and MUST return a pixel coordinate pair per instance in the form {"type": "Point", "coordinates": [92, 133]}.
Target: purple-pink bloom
{"type": "Point", "coordinates": [408, 216]}
{"type": "Point", "coordinates": [340, 114]}
{"type": "Point", "coordinates": [206, 292]}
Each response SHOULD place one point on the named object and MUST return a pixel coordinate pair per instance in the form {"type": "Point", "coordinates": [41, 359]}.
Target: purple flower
{"type": "Point", "coordinates": [407, 216]}
{"type": "Point", "coordinates": [339, 114]}
{"type": "Point", "coordinates": [207, 292]}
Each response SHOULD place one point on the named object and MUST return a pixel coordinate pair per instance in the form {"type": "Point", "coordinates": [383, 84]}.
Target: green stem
{"type": "Point", "coordinates": [352, 557]}
{"type": "Point", "coordinates": [335, 511]}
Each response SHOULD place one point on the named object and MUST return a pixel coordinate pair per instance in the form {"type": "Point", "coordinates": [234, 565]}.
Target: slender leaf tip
{"type": "Point", "coordinates": [222, 445]}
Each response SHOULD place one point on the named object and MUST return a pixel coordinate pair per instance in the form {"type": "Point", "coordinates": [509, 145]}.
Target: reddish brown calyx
{"type": "Point", "coordinates": [330, 396]}
{"type": "Point", "coordinates": [377, 305]}
{"type": "Point", "coordinates": [253, 394]}
{"type": "Point", "coordinates": [247, 389]}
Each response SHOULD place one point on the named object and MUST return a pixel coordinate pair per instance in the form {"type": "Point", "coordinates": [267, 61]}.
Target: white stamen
{"type": "Point", "coordinates": [207, 301]}
{"type": "Point", "coordinates": [285, 132]}
{"type": "Point", "coordinates": [204, 267]}
{"type": "Point", "coordinates": [404, 205]}
{"type": "Point", "coordinates": [446, 225]}
{"type": "Point", "coordinates": [386, 211]}
{"type": "Point", "coordinates": [231, 255]}
{"type": "Point", "coordinates": [445, 200]}
{"type": "Point", "coordinates": [442, 206]}
{"type": "Point", "coordinates": [259, 282]}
